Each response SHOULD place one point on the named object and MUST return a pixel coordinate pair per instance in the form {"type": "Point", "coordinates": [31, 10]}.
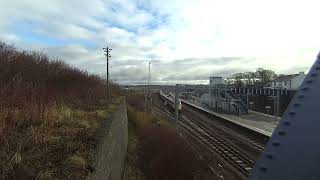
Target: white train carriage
{"type": "Point", "coordinates": [169, 101]}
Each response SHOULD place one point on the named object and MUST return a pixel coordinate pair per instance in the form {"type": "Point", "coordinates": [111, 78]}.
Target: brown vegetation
{"type": "Point", "coordinates": [166, 155]}
{"type": "Point", "coordinates": [49, 112]}
{"type": "Point", "coordinates": [135, 100]}
{"type": "Point", "coordinates": [163, 154]}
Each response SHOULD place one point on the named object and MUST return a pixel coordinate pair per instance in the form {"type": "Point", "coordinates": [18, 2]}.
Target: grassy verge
{"type": "Point", "coordinates": [60, 147]}
{"type": "Point", "coordinates": [159, 152]}
{"type": "Point", "coordinates": [49, 114]}
{"type": "Point", "coordinates": [132, 170]}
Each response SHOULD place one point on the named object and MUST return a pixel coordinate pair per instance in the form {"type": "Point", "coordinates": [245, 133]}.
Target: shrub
{"type": "Point", "coordinates": [136, 100]}
{"type": "Point", "coordinates": [163, 153]}
{"type": "Point", "coordinates": [33, 82]}
{"type": "Point", "coordinates": [49, 114]}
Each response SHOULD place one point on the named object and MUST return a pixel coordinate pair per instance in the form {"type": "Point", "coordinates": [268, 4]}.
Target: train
{"type": "Point", "coordinates": [169, 101]}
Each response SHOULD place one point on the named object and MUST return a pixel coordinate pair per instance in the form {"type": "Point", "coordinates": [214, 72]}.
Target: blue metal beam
{"type": "Point", "coordinates": [293, 151]}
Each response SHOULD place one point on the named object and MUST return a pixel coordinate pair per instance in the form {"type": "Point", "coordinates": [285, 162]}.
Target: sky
{"type": "Point", "coordinates": [186, 41]}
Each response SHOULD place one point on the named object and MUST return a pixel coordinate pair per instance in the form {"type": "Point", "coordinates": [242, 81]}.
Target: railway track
{"type": "Point", "coordinates": [219, 145]}
{"type": "Point", "coordinates": [164, 112]}
{"type": "Point", "coordinates": [215, 141]}
{"type": "Point", "coordinates": [222, 129]}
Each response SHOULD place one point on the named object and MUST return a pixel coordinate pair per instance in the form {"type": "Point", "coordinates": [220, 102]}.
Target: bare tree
{"type": "Point", "coordinates": [238, 77]}
{"type": "Point", "coordinates": [249, 77]}
{"type": "Point", "coordinates": [265, 76]}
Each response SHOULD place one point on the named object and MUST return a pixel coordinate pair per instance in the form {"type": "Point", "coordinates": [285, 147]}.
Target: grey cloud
{"type": "Point", "coordinates": [70, 52]}
{"type": "Point", "coordinates": [123, 26]}
{"type": "Point", "coordinates": [190, 69]}
{"type": "Point", "coordinates": [127, 74]}
{"type": "Point", "coordinates": [129, 62]}
{"type": "Point", "coordinates": [296, 70]}
{"type": "Point", "coordinates": [208, 61]}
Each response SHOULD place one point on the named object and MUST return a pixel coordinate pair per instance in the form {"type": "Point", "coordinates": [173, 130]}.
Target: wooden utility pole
{"type": "Point", "coordinates": [148, 92]}
{"type": "Point", "coordinates": [176, 102]}
{"type": "Point", "coordinates": [107, 51]}
{"type": "Point", "coordinates": [149, 81]}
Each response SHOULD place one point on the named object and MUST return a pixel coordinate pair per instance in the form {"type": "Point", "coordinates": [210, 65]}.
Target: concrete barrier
{"type": "Point", "coordinates": [112, 148]}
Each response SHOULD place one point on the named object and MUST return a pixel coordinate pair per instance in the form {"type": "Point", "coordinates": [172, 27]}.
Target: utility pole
{"type": "Point", "coordinates": [247, 99]}
{"type": "Point", "coordinates": [212, 97]}
{"type": "Point", "coordinates": [148, 90]}
{"type": "Point", "coordinates": [248, 104]}
{"type": "Point", "coordinates": [229, 103]}
{"type": "Point", "coordinates": [149, 81]}
{"type": "Point", "coordinates": [219, 95]}
{"type": "Point", "coordinates": [107, 51]}
{"type": "Point", "coordinates": [176, 102]}
{"type": "Point", "coordinates": [278, 105]}
{"type": "Point", "coordinates": [216, 97]}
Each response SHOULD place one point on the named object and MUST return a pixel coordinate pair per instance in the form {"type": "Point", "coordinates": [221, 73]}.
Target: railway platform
{"type": "Point", "coordinates": [259, 122]}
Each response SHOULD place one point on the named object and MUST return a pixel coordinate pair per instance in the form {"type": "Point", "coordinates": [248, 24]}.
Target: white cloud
{"type": "Point", "coordinates": [279, 35]}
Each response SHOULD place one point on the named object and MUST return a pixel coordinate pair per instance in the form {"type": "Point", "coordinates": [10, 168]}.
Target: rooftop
{"type": "Point", "coordinates": [286, 77]}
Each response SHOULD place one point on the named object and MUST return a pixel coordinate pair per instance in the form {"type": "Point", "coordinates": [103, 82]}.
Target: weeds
{"type": "Point", "coordinates": [49, 114]}
{"type": "Point", "coordinates": [33, 82]}
{"type": "Point", "coordinates": [163, 154]}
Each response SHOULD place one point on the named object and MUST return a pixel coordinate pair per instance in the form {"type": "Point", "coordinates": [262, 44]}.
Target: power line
{"type": "Point", "coordinates": [107, 51]}
{"type": "Point", "coordinates": [149, 80]}
{"type": "Point", "coordinates": [148, 97]}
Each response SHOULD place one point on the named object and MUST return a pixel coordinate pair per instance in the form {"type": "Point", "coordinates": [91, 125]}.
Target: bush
{"type": "Point", "coordinates": [136, 100]}
{"type": "Point", "coordinates": [33, 82]}
{"type": "Point", "coordinates": [49, 114]}
{"type": "Point", "coordinates": [163, 153]}
{"type": "Point", "coordinates": [166, 155]}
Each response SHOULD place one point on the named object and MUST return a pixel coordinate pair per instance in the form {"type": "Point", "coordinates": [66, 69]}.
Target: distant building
{"type": "Point", "coordinates": [232, 81]}
{"type": "Point", "coordinates": [289, 82]}
{"type": "Point", "coordinates": [215, 81]}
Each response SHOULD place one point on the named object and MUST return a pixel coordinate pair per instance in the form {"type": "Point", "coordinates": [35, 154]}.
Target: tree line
{"type": "Point", "coordinates": [260, 78]}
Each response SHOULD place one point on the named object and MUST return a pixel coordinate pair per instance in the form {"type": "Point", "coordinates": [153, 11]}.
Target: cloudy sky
{"type": "Point", "coordinates": [186, 40]}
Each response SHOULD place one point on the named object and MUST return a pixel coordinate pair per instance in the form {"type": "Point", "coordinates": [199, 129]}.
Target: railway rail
{"type": "Point", "coordinates": [222, 129]}
{"type": "Point", "coordinates": [216, 143]}
{"type": "Point", "coordinates": [164, 112]}
{"type": "Point", "coordinates": [219, 145]}
{"type": "Point", "coordinates": [199, 126]}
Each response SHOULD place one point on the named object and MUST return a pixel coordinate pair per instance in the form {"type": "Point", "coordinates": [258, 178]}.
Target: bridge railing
{"type": "Point", "coordinates": [260, 91]}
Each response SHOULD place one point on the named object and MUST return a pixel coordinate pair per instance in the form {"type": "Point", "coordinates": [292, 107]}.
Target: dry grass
{"type": "Point", "coordinates": [132, 170]}
{"type": "Point", "coordinates": [49, 114]}
{"type": "Point", "coordinates": [60, 147]}
{"type": "Point", "coordinates": [162, 153]}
